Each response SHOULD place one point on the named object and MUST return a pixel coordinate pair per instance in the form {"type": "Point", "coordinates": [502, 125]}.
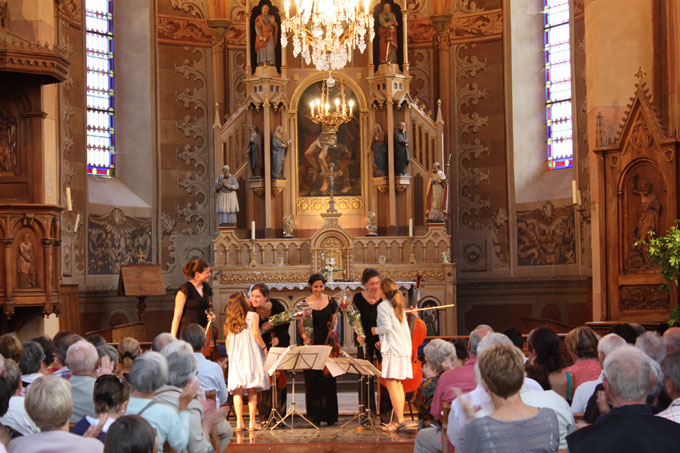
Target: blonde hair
{"type": "Point", "coordinates": [391, 290]}
{"type": "Point", "coordinates": [128, 350]}
{"type": "Point", "coordinates": [502, 369]}
{"type": "Point", "coordinates": [582, 341]}
{"type": "Point", "coordinates": [48, 402]}
{"type": "Point", "coordinates": [237, 307]}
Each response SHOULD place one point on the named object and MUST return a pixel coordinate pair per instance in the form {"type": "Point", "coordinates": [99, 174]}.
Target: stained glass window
{"type": "Point", "coordinates": [558, 84]}
{"type": "Point", "coordinates": [101, 143]}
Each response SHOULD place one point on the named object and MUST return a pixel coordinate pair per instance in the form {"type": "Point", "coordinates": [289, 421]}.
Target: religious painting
{"type": "Point", "coordinates": [8, 144]}
{"type": "Point", "coordinates": [430, 317]}
{"type": "Point", "coordinates": [323, 146]}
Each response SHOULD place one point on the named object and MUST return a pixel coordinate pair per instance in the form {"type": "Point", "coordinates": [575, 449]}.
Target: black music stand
{"type": "Point", "coordinates": [275, 416]}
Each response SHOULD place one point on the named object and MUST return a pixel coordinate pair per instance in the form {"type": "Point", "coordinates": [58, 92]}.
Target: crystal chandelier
{"type": "Point", "coordinates": [331, 116]}
{"type": "Point", "coordinates": [326, 32]}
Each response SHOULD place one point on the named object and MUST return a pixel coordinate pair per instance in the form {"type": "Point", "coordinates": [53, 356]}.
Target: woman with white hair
{"type": "Point", "coordinates": [148, 374]}
{"type": "Point", "coordinates": [440, 355]}
{"type": "Point", "coordinates": [49, 404]}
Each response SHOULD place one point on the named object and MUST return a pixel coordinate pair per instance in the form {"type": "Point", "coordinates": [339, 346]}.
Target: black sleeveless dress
{"type": "Point", "coordinates": [195, 306]}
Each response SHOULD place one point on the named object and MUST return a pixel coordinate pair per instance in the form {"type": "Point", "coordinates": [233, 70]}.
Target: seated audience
{"type": "Point", "coordinates": [10, 347]}
{"type": "Point", "coordinates": [461, 345]}
{"type": "Point", "coordinates": [440, 355]}
{"type": "Point", "coordinates": [654, 347]}
{"type": "Point", "coordinates": [48, 403]}
{"type": "Point", "coordinates": [130, 434]}
{"type": "Point", "coordinates": [671, 384]}
{"type": "Point", "coordinates": [182, 366]}
{"type": "Point", "coordinates": [630, 426]}
{"type": "Point", "coordinates": [545, 364]}
{"type": "Point", "coordinates": [161, 340]}
{"type": "Point", "coordinates": [672, 337]}
{"type": "Point", "coordinates": [581, 344]}
{"type": "Point", "coordinates": [49, 348]}
{"type": "Point", "coordinates": [513, 425]}
{"type": "Point", "coordinates": [625, 331]}
{"type": "Point", "coordinates": [210, 374]}
{"type": "Point", "coordinates": [111, 354]}
{"type": "Point", "coordinates": [63, 344]}
{"type": "Point", "coordinates": [81, 359]}
{"type": "Point", "coordinates": [111, 395]}
{"type": "Point", "coordinates": [96, 340]}
{"type": "Point", "coordinates": [31, 363]}
{"type": "Point", "coordinates": [128, 350]}
{"type": "Point", "coordinates": [586, 390]}
{"type": "Point", "coordinates": [16, 417]}
{"type": "Point", "coordinates": [148, 374]}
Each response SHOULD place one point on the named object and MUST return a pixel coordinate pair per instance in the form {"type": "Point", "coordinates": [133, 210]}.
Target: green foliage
{"type": "Point", "coordinates": [674, 317]}
{"type": "Point", "coordinates": [665, 251]}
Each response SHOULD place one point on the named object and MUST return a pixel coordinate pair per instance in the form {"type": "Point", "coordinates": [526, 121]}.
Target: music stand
{"type": "Point", "coordinates": [295, 358]}
{"type": "Point", "coordinates": [365, 370]}
{"type": "Point", "coordinates": [275, 416]}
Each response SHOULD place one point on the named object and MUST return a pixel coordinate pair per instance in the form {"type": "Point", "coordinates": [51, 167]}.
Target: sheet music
{"type": "Point", "coordinates": [274, 358]}
{"type": "Point", "coordinates": [369, 367]}
{"type": "Point", "coordinates": [303, 357]}
{"type": "Point", "coordinates": [338, 366]}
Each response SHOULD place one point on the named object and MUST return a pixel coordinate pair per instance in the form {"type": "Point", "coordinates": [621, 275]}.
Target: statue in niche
{"type": "Point", "coordinates": [401, 154]}
{"type": "Point", "coordinates": [371, 225]}
{"type": "Point", "coordinates": [436, 196]}
{"type": "Point", "coordinates": [266, 30]}
{"type": "Point", "coordinates": [256, 153]}
{"type": "Point", "coordinates": [649, 210]}
{"type": "Point", "coordinates": [226, 186]}
{"type": "Point", "coordinates": [379, 150]}
{"type": "Point", "coordinates": [8, 144]}
{"type": "Point", "coordinates": [387, 31]}
{"type": "Point", "coordinates": [287, 226]}
{"type": "Point", "coordinates": [26, 263]}
{"type": "Point", "coordinates": [279, 152]}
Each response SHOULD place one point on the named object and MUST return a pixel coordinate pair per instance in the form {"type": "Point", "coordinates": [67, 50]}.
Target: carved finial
{"type": "Point", "coordinates": [640, 74]}
{"type": "Point", "coordinates": [599, 138]}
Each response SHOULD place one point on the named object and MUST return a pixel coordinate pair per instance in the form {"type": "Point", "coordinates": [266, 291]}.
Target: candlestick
{"type": "Point", "coordinates": [574, 195]}
{"type": "Point", "coordinates": [252, 230]}
{"type": "Point", "coordinates": [410, 228]}
{"type": "Point", "coordinates": [69, 203]}
{"type": "Point", "coordinates": [579, 200]}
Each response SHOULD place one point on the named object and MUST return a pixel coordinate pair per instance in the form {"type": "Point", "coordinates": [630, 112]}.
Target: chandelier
{"type": "Point", "coordinates": [331, 116]}
{"type": "Point", "coordinates": [326, 32]}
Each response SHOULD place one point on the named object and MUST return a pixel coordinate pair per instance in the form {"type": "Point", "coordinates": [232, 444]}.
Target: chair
{"type": "Point", "coordinates": [446, 408]}
{"type": "Point", "coordinates": [214, 438]}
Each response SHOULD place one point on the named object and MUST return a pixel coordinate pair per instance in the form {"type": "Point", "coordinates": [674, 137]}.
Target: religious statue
{"type": "Point", "coordinates": [279, 152]}
{"type": "Point", "coordinates": [26, 263]}
{"type": "Point", "coordinates": [649, 210]}
{"type": "Point", "coordinates": [8, 144]}
{"type": "Point", "coordinates": [387, 31]}
{"type": "Point", "coordinates": [256, 153]}
{"type": "Point", "coordinates": [226, 186]}
{"type": "Point", "coordinates": [371, 225]}
{"type": "Point", "coordinates": [379, 150]}
{"type": "Point", "coordinates": [266, 30]}
{"type": "Point", "coordinates": [437, 198]}
{"type": "Point", "coordinates": [401, 154]}
{"type": "Point", "coordinates": [287, 226]}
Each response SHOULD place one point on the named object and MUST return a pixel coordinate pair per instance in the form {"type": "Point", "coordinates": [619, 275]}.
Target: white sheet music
{"type": "Point", "coordinates": [297, 358]}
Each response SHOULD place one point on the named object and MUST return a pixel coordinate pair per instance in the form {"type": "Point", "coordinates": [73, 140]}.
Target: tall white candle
{"type": "Point", "coordinates": [252, 230]}
{"type": "Point", "coordinates": [77, 223]}
{"type": "Point", "coordinates": [69, 203]}
{"type": "Point", "coordinates": [410, 228]}
{"type": "Point", "coordinates": [574, 192]}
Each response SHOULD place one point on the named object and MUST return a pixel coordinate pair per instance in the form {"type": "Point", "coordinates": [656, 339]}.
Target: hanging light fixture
{"type": "Point", "coordinates": [325, 32]}
{"type": "Point", "coordinates": [331, 114]}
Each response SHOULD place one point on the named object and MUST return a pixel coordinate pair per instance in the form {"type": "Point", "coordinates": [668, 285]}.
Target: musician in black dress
{"type": "Point", "coordinates": [193, 298]}
{"type": "Point", "coordinates": [273, 337]}
{"type": "Point", "coordinates": [321, 393]}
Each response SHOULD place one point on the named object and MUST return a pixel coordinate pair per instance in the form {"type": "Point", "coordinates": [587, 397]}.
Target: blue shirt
{"type": "Point", "coordinates": [168, 423]}
{"type": "Point", "coordinates": [211, 377]}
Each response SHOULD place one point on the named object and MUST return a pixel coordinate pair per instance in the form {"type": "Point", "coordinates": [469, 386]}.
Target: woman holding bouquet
{"type": "Point", "coordinates": [273, 336]}
{"type": "Point", "coordinates": [245, 349]}
{"type": "Point", "coordinates": [321, 394]}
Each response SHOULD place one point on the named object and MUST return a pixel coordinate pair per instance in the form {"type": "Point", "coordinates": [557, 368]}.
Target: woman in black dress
{"type": "Point", "coordinates": [193, 298]}
{"type": "Point", "coordinates": [321, 393]}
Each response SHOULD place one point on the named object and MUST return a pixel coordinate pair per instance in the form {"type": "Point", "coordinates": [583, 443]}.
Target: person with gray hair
{"type": "Point", "coordinates": [652, 344]}
{"type": "Point", "coordinates": [16, 416]}
{"type": "Point", "coordinates": [182, 367]}
{"type": "Point", "coordinates": [440, 355]}
{"type": "Point", "coordinates": [586, 390]}
{"type": "Point", "coordinates": [161, 340]}
{"type": "Point", "coordinates": [81, 359]}
{"type": "Point", "coordinates": [31, 363]}
{"type": "Point", "coordinates": [671, 384]}
{"type": "Point", "coordinates": [108, 351]}
{"type": "Point", "coordinates": [174, 346]}
{"type": "Point", "coordinates": [672, 337]}
{"type": "Point", "coordinates": [148, 374]}
{"type": "Point", "coordinates": [48, 403]}
{"type": "Point", "coordinates": [630, 425]}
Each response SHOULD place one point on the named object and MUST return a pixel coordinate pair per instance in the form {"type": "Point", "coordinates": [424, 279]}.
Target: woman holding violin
{"type": "Point", "coordinates": [193, 301]}
{"type": "Point", "coordinates": [395, 346]}
{"type": "Point", "coordinates": [273, 337]}
{"type": "Point", "coordinates": [321, 394]}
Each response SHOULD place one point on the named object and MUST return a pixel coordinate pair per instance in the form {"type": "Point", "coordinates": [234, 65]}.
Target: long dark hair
{"type": "Point", "coordinates": [545, 343]}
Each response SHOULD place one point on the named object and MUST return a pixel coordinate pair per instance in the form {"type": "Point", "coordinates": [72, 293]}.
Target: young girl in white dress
{"type": "Point", "coordinates": [245, 349]}
{"type": "Point", "coordinates": [395, 347]}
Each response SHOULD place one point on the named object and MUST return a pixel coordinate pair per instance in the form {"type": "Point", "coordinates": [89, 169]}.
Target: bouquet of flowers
{"type": "Point", "coordinates": [355, 321]}
{"type": "Point", "coordinates": [286, 317]}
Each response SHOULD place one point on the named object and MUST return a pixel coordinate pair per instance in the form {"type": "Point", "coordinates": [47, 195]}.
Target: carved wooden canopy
{"type": "Point", "coordinates": [24, 57]}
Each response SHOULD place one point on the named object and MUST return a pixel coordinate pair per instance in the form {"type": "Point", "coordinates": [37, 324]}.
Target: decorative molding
{"type": "Point", "coordinates": [9, 145]}
{"type": "Point", "coordinates": [280, 276]}
{"type": "Point", "coordinates": [320, 204]}
{"type": "Point", "coordinates": [488, 24]}
{"type": "Point", "coordinates": [545, 236]}
{"type": "Point", "coordinates": [644, 297]}
{"type": "Point", "coordinates": [474, 257]}
{"type": "Point", "coordinates": [237, 76]}
{"type": "Point", "coordinates": [235, 36]}
{"type": "Point", "coordinates": [421, 68]}
{"type": "Point", "coordinates": [25, 57]}
{"type": "Point", "coordinates": [501, 257]}
{"type": "Point", "coordinates": [167, 224]}
{"type": "Point", "coordinates": [238, 11]}
{"type": "Point", "coordinates": [184, 31]}
{"type": "Point", "coordinates": [194, 7]}
{"type": "Point", "coordinates": [70, 11]}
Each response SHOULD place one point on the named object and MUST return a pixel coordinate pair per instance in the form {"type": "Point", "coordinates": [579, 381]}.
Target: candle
{"type": "Point", "coordinates": [252, 230]}
{"type": "Point", "coordinates": [351, 104]}
{"type": "Point", "coordinates": [287, 7]}
{"type": "Point", "coordinates": [574, 190]}
{"type": "Point", "coordinates": [75, 227]}
{"type": "Point", "coordinates": [337, 104]}
{"type": "Point", "coordinates": [69, 203]}
{"type": "Point", "coordinates": [578, 198]}
{"type": "Point", "coordinates": [327, 107]}
{"type": "Point", "coordinates": [410, 228]}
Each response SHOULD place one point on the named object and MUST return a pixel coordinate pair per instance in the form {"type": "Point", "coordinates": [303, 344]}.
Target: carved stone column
{"type": "Point", "coordinates": [404, 16]}
{"type": "Point", "coordinates": [266, 137]}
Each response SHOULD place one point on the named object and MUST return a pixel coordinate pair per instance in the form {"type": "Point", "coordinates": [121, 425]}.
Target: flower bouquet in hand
{"type": "Point", "coordinates": [285, 317]}
{"type": "Point", "coordinates": [355, 321]}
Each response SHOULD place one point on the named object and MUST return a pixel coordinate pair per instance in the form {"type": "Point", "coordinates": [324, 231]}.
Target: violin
{"type": "Point", "coordinates": [210, 352]}
{"type": "Point", "coordinates": [333, 342]}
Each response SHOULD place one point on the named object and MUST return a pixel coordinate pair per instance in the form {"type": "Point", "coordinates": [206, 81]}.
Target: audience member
{"type": "Point", "coordinates": [48, 403]}
{"type": "Point", "coordinates": [672, 337]}
{"type": "Point", "coordinates": [182, 366]}
{"type": "Point", "coordinates": [128, 350]}
{"type": "Point", "coordinates": [604, 347]}
{"type": "Point", "coordinates": [148, 374]}
{"type": "Point", "coordinates": [545, 363]}
{"type": "Point", "coordinates": [110, 397]}
{"type": "Point", "coordinates": [440, 356]}
{"type": "Point", "coordinates": [625, 331]}
{"type": "Point", "coordinates": [461, 345]}
{"type": "Point", "coordinates": [15, 416]}
{"type": "Point", "coordinates": [671, 384]}
{"type": "Point", "coordinates": [513, 425]}
{"type": "Point", "coordinates": [630, 426]}
{"type": "Point", "coordinates": [130, 434]}
{"type": "Point", "coordinates": [31, 364]}
{"type": "Point", "coordinates": [96, 340]}
{"type": "Point", "coordinates": [111, 354]}
{"type": "Point", "coordinates": [49, 348]}
{"type": "Point", "coordinates": [81, 359]}
{"type": "Point", "coordinates": [161, 340]}
{"type": "Point", "coordinates": [10, 347]}
{"type": "Point", "coordinates": [581, 344]}
{"type": "Point", "coordinates": [517, 339]}
{"type": "Point", "coordinates": [63, 344]}
{"type": "Point", "coordinates": [210, 374]}
{"type": "Point", "coordinates": [654, 346]}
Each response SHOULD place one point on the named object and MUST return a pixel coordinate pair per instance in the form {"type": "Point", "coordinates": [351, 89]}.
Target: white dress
{"type": "Point", "coordinates": [246, 359]}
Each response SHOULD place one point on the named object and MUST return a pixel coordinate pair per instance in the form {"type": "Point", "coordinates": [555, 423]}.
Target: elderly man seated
{"type": "Point", "coordinates": [210, 374]}
{"type": "Point", "coordinates": [671, 384]}
{"type": "Point", "coordinates": [630, 426]}
{"type": "Point", "coordinates": [81, 358]}
{"type": "Point", "coordinates": [16, 417]}
{"type": "Point", "coordinates": [48, 403]}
